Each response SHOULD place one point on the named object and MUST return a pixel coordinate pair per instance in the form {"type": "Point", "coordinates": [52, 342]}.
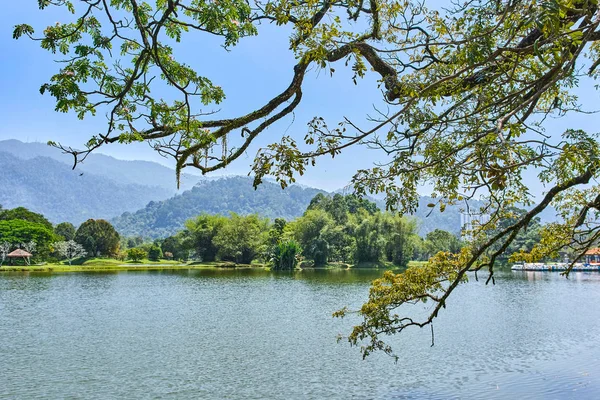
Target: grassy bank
{"type": "Point", "coordinates": [109, 264]}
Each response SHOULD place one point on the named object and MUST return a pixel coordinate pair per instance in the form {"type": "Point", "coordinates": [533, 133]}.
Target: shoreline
{"type": "Point", "coordinates": [111, 267]}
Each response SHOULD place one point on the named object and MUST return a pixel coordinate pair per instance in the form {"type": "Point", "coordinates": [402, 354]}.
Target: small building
{"type": "Point", "coordinates": [19, 253]}
{"type": "Point", "coordinates": [592, 256]}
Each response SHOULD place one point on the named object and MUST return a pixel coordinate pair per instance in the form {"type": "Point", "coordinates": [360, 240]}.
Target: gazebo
{"type": "Point", "coordinates": [592, 256]}
{"type": "Point", "coordinates": [19, 253]}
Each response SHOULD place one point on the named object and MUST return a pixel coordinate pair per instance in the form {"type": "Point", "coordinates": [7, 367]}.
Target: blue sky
{"type": "Point", "coordinates": [251, 73]}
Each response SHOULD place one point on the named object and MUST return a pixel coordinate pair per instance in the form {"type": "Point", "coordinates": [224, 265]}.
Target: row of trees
{"type": "Point", "coordinates": [22, 228]}
{"type": "Point", "coordinates": [339, 229]}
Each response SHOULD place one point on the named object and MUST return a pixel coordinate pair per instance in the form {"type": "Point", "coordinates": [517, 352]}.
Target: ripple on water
{"type": "Point", "coordinates": [248, 334]}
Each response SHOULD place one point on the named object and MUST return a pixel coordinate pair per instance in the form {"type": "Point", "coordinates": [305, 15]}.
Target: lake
{"type": "Point", "coordinates": [252, 334]}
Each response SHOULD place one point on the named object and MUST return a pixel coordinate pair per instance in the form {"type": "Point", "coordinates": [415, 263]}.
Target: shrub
{"type": "Point", "coordinates": [155, 253]}
{"type": "Point", "coordinates": [136, 254]}
{"type": "Point", "coordinates": [285, 255]}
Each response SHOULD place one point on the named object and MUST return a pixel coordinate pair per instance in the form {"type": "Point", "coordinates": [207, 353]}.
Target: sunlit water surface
{"type": "Point", "coordinates": [260, 335]}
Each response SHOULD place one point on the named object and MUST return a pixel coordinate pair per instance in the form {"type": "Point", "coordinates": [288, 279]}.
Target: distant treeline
{"type": "Point", "coordinates": [342, 229]}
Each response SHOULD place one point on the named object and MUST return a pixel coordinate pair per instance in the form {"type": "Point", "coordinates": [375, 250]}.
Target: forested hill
{"type": "Point", "coordinates": [40, 178]}
{"type": "Point", "coordinates": [122, 172]}
{"type": "Point", "coordinates": [52, 188]}
{"type": "Point", "coordinates": [222, 196]}
{"type": "Point", "coordinates": [236, 194]}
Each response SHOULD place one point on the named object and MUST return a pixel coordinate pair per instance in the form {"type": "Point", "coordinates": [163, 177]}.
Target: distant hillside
{"type": "Point", "coordinates": [50, 187]}
{"type": "Point", "coordinates": [39, 177]}
{"type": "Point", "coordinates": [163, 218]}
{"type": "Point", "coordinates": [119, 171]}
{"type": "Point", "coordinates": [429, 220]}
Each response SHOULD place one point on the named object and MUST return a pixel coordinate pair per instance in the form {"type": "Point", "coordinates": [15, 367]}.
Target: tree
{"type": "Point", "coordinates": [276, 232]}
{"type": "Point", "coordinates": [468, 90]}
{"type": "Point", "coordinates": [155, 253]}
{"type": "Point", "coordinates": [66, 230]}
{"type": "Point", "coordinates": [356, 203]}
{"type": "Point", "coordinates": [341, 243]}
{"type": "Point", "coordinates": [401, 239]}
{"type": "Point", "coordinates": [175, 247]}
{"type": "Point", "coordinates": [200, 233]}
{"type": "Point", "coordinates": [240, 238]}
{"type": "Point", "coordinates": [308, 232]}
{"type": "Point", "coordinates": [136, 254]}
{"type": "Point", "coordinates": [69, 249]}
{"type": "Point", "coordinates": [440, 240]}
{"type": "Point", "coordinates": [22, 233]}
{"type": "Point", "coordinates": [285, 256]}
{"type": "Point", "coordinates": [4, 250]}
{"type": "Point", "coordinates": [319, 202]}
{"type": "Point", "coordinates": [370, 241]}
{"type": "Point", "coordinates": [98, 237]}
{"type": "Point", "coordinates": [338, 209]}
{"type": "Point", "coordinates": [24, 214]}
{"type": "Point", "coordinates": [29, 247]}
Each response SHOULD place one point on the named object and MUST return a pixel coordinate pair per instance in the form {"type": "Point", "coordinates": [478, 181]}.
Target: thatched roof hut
{"type": "Point", "coordinates": [20, 253]}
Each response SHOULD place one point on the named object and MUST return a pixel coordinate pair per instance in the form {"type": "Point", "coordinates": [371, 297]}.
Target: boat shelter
{"type": "Point", "coordinates": [19, 253]}
{"type": "Point", "coordinates": [592, 256]}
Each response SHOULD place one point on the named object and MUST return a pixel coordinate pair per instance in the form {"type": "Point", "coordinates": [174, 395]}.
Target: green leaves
{"type": "Point", "coordinates": [43, 4]}
{"type": "Point", "coordinates": [21, 30]}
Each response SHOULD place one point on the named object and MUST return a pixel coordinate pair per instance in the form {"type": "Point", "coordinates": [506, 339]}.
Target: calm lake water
{"type": "Point", "coordinates": [260, 335]}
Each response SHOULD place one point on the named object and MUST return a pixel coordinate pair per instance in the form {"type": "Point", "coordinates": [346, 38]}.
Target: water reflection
{"type": "Point", "coordinates": [251, 333]}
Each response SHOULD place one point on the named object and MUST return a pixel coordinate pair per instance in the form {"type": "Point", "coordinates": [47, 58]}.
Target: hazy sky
{"type": "Point", "coordinates": [251, 74]}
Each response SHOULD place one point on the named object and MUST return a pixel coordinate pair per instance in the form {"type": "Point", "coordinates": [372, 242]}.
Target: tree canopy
{"type": "Point", "coordinates": [66, 230]}
{"type": "Point", "coordinates": [25, 215]}
{"type": "Point", "coordinates": [18, 233]}
{"type": "Point", "coordinates": [98, 237]}
{"type": "Point", "coordinates": [469, 89]}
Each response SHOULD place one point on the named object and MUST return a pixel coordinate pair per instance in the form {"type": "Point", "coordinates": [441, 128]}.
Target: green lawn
{"type": "Point", "coordinates": [111, 264]}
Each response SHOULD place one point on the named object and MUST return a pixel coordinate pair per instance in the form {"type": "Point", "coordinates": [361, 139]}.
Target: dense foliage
{"type": "Point", "coordinates": [136, 254]}
{"type": "Point", "coordinates": [222, 196]}
{"type": "Point", "coordinates": [98, 237]}
{"type": "Point", "coordinates": [239, 239]}
{"type": "Point", "coordinates": [285, 255]}
{"type": "Point", "coordinates": [66, 230]}
{"type": "Point", "coordinates": [24, 214]}
{"type": "Point", "coordinates": [338, 229]}
{"type": "Point", "coordinates": [18, 233]}
{"type": "Point", "coordinates": [333, 229]}
{"type": "Point", "coordinates": [155, 253]}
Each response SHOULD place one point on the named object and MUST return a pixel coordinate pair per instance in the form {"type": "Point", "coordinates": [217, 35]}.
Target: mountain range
{"type": "Point", "coordinates": [145, 173]}
{"type": "Point", "coordinates": [140, 198]}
